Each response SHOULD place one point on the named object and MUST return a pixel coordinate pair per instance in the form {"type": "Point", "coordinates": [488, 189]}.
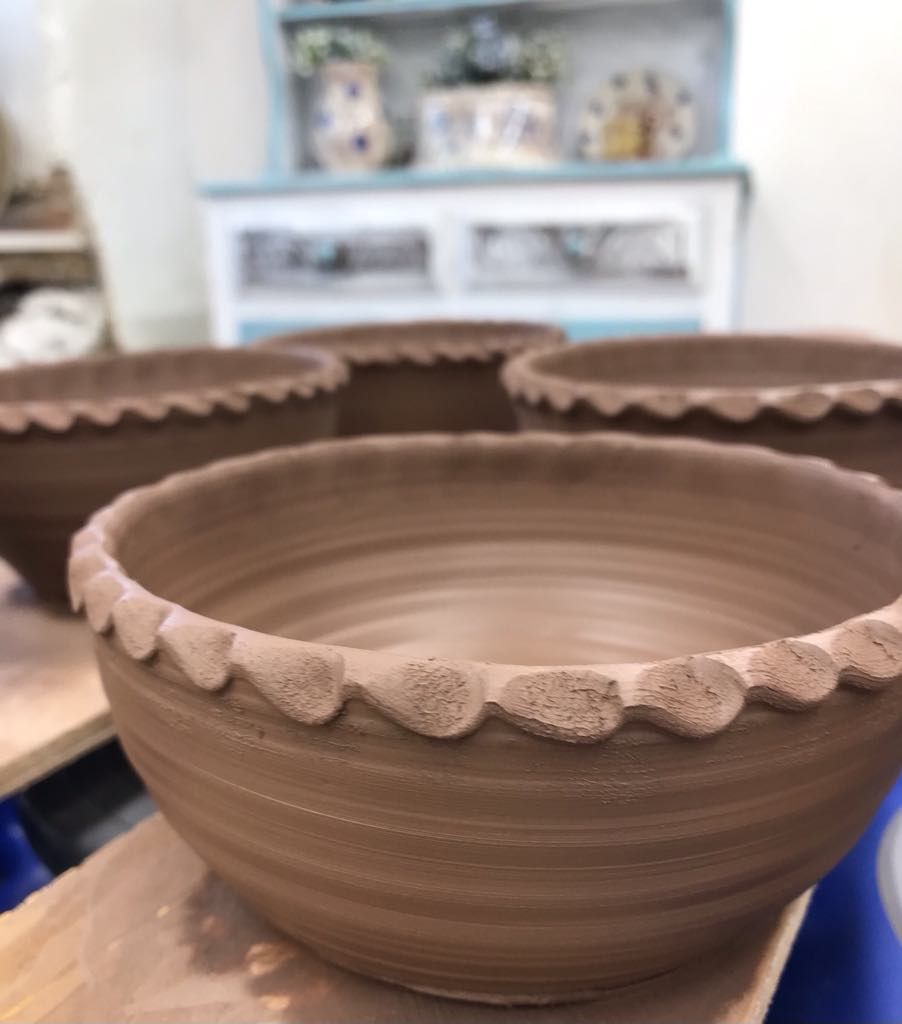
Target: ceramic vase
{"type": "Point", "coordinates": [350, 131]}
{"type": "Point", "coordinates": [507, 718]}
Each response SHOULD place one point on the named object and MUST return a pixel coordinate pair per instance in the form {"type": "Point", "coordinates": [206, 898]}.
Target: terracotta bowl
{"type": "Point", "coordinates": [73, 435]}
{"type": "Point", "coordinates": [425, 375]}
{"type": "Point", "coordinates": [508, 718]}
{"type": "Point", "coordinates": [831, 396]}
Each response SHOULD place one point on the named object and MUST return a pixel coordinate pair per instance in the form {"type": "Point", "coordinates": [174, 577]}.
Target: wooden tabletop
{"type": "Point", "coordinates": [52, 706]}
{"type": "Point", "coordinates": [142, 932]}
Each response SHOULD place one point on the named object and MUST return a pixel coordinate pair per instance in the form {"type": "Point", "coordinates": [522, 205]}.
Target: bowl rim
{"type": "Point", "coordinates": [322, 372]}
{"type": "Point", "coordinates": [527, 381]}
{"type": "Point", "coordinates": [421, 341]}
{"type": "Point", "coordinates": [692, 696]}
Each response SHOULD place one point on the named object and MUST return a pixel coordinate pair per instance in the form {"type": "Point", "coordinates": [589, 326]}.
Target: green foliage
{"type": "Point", "coordinates": [484, 52]}
{"type": "Point", "coordinates": [314, 47]}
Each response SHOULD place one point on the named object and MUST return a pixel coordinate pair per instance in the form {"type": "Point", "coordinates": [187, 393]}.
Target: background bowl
{"type": "Point", "coordinates": [424, 375]}
{"type": "Point", "coordinates": [75, 434]}
{"type": "Point", "coordinates": [435, 705]}
{"type": "Point", "coordinates": [837, 397]}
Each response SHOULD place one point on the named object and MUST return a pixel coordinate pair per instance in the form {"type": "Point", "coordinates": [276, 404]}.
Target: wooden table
{"type": "Point", "coordinates": [142, 932]}
{"type": "Point", "coordinates": [52, 706]}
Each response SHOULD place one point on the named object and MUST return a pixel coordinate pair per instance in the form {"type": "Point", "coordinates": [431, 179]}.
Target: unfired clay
{"type": "Point", "coordinates": [840, 398]}
{"type": "Point", "coordinates": [510, 718]}
{"type": "Point", "coordinates": [425, 375]}
{"type": "Point", "coordinates": [74, 435]}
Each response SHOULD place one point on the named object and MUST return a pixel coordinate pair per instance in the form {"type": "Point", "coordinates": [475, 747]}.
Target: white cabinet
{"type": "Point", "coordinates": [596, 249]}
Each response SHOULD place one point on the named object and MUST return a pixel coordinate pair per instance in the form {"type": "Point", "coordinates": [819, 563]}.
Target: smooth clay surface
{"type": "Point", "coordinates": [440, 707]}
{"type": "Point", "coordinates": [424, 375]}
{"type": "Point", "coordinates": [839, 398]}
{"type": "Point", "coordinates": [74, 435]}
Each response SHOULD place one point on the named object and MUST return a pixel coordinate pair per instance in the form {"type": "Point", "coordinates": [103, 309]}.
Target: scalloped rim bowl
{"type": "Point", "coordinates": [510, 829]}
{"type": "Point", "coordinates": [153, 385]}
{"type": "Point", "coordinates": [74, 434]}
{"type": "Point", "coordinates": [834, 396]}
{"type": "Point", "coordinates": [424, 342]}
{"type": "Point", "coordinates": [422, 375]}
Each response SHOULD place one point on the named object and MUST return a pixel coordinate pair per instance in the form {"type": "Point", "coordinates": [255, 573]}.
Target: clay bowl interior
{"type": "Point", "coordinates": [424, 375]}
{"type": "Point", "coordinates": [833, 396]}
{"type": "Point", "coordinates": [438, 707]}
{"type": "Point", "coordinates": [75, 434]}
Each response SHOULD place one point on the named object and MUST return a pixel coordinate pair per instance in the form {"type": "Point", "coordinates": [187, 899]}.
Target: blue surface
{"type": "Point", "coordinates": [412, 177]}
{"type": "Point", "coordinates": [577, 330]}
{"type": "Point", "coordinates": [728, 77]}
{"type": "Point", "coordinates": [586, 330]}
{"type": "Point", "coordinates": [380, 8]}
{"type": "Point", "coordinates": [251, 330]}
{"type": "Point", "coordinates": [846, 966]}
{"type": "Point", "coordinates": [277, 123]}
{"type": "Point", "coordinates": [20, 870]}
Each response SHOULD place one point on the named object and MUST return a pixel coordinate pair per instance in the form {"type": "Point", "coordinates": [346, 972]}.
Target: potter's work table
{"type": "Point", "coordinates": [52, 706]}
{"type": "Point", "coordinates": [143, 932]}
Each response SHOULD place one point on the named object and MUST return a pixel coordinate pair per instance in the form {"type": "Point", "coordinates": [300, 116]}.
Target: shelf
{"type": "Point", "coordinates": [52, 706]}
{"type": "Point", "coordinates": [143, 931]}
{"type": "Point", "coordinates": [418, 177]}
{"type": "Point", "coordinates": [39, 240]}
{"type": "Point", "coordinates": [343, 11]}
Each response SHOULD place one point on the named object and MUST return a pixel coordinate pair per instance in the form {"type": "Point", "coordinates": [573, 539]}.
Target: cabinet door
{"type": "Point", "coordinates": [615, 249]}
{"type": "Point", "coordinates": [364, 259]}
{"type": "Point", "coordinates": [580, 255]}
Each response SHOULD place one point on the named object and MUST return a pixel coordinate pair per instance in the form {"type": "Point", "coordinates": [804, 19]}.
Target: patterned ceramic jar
{"type": "Point", "coordinates": [350, 130]}
{"type": "Point", "coordinates": [506, 124]}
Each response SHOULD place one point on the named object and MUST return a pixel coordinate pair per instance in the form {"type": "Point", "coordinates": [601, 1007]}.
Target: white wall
{"type": "Point", "coordinates": [149, 97]}
{"type": "Point", "coordinates": [225, 88]}
{"type": "Point", "coordinates": [120, 102]}
{"type": "Point", "coordinates": [819, 121]}
{"type": "Point", "coordinates": [24, 87]}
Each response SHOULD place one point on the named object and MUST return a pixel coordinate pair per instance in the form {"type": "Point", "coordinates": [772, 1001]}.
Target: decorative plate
{"type": "Point", "coordinates": [639, 115]}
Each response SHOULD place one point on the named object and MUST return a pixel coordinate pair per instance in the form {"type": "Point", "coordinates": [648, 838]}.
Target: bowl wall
{"type": "Point", "coordinates": [51, 482]}
{"type": "Point", "coordinates": [404, 398]}
{"type": "Point", "coordinates": [505, 867]}
{"type": "Point", "coordinates": [420, 376]}
{"type": "Point", "coordinates": [833, 397]}
{"type": "Point", "coordinates": [871, 444]}
{"type": "Point", "coordinates": [424, 702]}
